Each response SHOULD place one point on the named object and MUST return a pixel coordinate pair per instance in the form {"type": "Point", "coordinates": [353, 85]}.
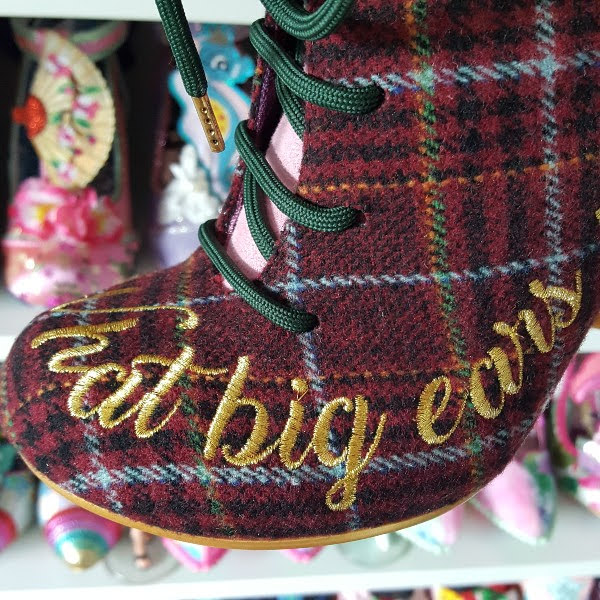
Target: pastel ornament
{"type": "Point", "coordinates": [16, 505]}
{"type": "Point", "coordinates": [186, 203]}
{"type": "Point", "coordinates": [201, 179]}
{"type": "Point", "coordinates": [561, 588]}
{"type": "Point", "coordinates": [574, 431]}
{"type": "Point", "coordinates": [139, 543]}
{"type": "Point", "coordinates": [7, 459]}
{"type": "Point", "coordinates": [64, 237]}
{"type": "Point", "coordinates": [302, 555]}
{"type": "Point", "coordinates": [194, 556]}
{"type": "Point", "coordinates": [69, 115]}
{"type": "Point", "coordinates": [437, 535]}
{"type": "Point", "coordinates": [54, 231]}
{"type": "Point", "coordinates": [522, 500]}
{"type": "Point", "coordinates": [80, 538]}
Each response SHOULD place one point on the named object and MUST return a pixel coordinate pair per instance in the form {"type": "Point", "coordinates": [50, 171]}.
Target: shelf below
{"type": "Point", "coordinates": [483, 554]}
{"type": "Point", "coordinates": [224, 11]}
{"type": "Point", "coordinates": [14, 317]}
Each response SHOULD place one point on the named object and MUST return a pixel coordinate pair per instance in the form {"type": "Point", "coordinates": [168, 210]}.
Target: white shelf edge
{"type": "Point", "coordinates": [14, 317]}
{"type": "Point", "coordinates": [591, 343]}
{"type": "Point", "coordinates": [223, 11]}
{"type": "Point", "coordinates": [483, 554]}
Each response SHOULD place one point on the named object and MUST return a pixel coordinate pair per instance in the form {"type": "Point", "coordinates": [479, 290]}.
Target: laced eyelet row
{"type": "Point", "coordinates": [294, 88]}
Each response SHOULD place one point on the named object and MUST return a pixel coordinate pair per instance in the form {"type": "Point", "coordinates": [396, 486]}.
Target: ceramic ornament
{"type": "Point", "coordinates": [574, 431]}
{"type": "Point", "coordinates": [193, 556]}
{"type": "Point", "coordinates": [16, 505]}
{"type": "Point", "coordinates": [78, 536]}
{"type": "Point", "coordinates": [201, 178]}
{"type": "Point", "coordinates": [69, 115]}
{"type": "Point", "coordinates": [560, 588]}
{"type": "Point", "coordinates": [185, 204]}
{"type": "Point", "coordinates": [226, 69]}
{"type": "Point", "coordinates": [302, 555]}
{"type": "Point", "coordinates": [7, 458]}
{"type": "Point", "coordinates": [437, 535]}
{"type": "Point", "coordinates": [522, 500]}
{"type": "Point", "coordinates": [375, 551]}
{"type": "Point", "coordinates": [139, 544]}
{"type": "Point", "coordinates": [69, 224]}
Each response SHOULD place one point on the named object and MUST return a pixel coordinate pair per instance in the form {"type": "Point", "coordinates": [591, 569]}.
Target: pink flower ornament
{"type": "Point", "coordinates": [70, 216]}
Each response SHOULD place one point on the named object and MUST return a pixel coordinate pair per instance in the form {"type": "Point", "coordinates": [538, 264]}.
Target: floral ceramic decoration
{"type": "Point", "coordinates": [65, 238]}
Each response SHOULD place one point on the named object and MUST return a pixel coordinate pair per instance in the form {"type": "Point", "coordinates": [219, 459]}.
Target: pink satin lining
{"type": "Point", "coordinates": [285, 157]}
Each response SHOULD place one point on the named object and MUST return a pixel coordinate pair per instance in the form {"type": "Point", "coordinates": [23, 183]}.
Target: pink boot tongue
{"type": "Point", "coordinates": [284, 154]}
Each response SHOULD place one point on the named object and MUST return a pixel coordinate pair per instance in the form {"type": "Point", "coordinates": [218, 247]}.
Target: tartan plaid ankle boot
{"type": "Point", "coordinates": [406, 262]}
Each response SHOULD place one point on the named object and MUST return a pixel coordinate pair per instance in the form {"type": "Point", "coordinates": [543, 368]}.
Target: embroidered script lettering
{"type": "Point", "coordinates": [353, 456]}
{"type": "Point", "coordinates": [117, 407]}
{"type": "Point", "coordinates": [504, 362]}
{"type": "Point", "coordinates": [498, 362]}
{"type": "Point", "coordinates": [128, 378]}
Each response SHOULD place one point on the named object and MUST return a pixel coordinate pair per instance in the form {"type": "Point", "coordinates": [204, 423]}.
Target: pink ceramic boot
{"type": "Point", "coordinates": [522, 499]}
{"type": "Point", "coordinates": [575, 431]}
{"type": "Point", "coordinates": [193, 556]}
{"type": "Point", "coordinates": [69, 229]}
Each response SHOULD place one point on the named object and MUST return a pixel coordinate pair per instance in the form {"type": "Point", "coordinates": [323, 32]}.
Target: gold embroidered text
{"type": "Point", "coordinates": [497, 361]}
{"type": "Point", "coordinates": [117, 407]}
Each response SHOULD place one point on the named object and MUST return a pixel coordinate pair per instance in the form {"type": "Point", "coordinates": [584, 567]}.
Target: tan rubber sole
{"type": "Point", "coordinates": [241, 543]}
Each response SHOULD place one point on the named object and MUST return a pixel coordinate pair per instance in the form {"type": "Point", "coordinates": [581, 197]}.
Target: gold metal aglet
{"type": "Point", "coordinates": [209, 123]}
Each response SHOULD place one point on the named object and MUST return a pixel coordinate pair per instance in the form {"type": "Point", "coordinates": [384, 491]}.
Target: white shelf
{"type": "Point", "coordinates": [591, 342]}
{"type": "Point", "coordinates": [483, 554]}
{"type": "Point", "coordinates": [200, 11]}
{"type": "Point", "coordinates": [14, 317]}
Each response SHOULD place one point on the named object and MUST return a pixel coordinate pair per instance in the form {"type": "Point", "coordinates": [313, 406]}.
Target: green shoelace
{"type": "Point", "coordinates": [294, 87]}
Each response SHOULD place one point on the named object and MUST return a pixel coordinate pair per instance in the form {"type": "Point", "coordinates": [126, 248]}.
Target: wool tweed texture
{"type": "Point", "coordinates": [478, 175]}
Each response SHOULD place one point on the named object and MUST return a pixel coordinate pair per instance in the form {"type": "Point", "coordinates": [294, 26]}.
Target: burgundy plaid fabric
{"type": "Point", "coordinates": [477, 176]}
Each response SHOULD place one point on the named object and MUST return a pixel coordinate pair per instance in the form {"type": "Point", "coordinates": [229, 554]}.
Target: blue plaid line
{"type": "Point", "coordinates": [309, 350]}
{"type": "Point", "coordinates": [260, 475]}
{"type": "Point", "coordinates": [481, 274]}
{"type": "Point", "coordinates": [292, 251]}
{"type": "Point", "coordinates": [553, 218]}
{"type": "Point", "coordinates": [91, 441]}
{"type": "Point", "coordinates": [396, 83]}
{"type": "Point", "coordinates": [203, 301]}
{"type": "Point", "coordinates": [297, 285]}
{"type": "Point", "coordinates": [293, 289]}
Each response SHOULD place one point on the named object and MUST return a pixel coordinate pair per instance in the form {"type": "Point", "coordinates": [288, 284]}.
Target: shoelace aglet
{"type": "Point", "coordinates": [209, 123]}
